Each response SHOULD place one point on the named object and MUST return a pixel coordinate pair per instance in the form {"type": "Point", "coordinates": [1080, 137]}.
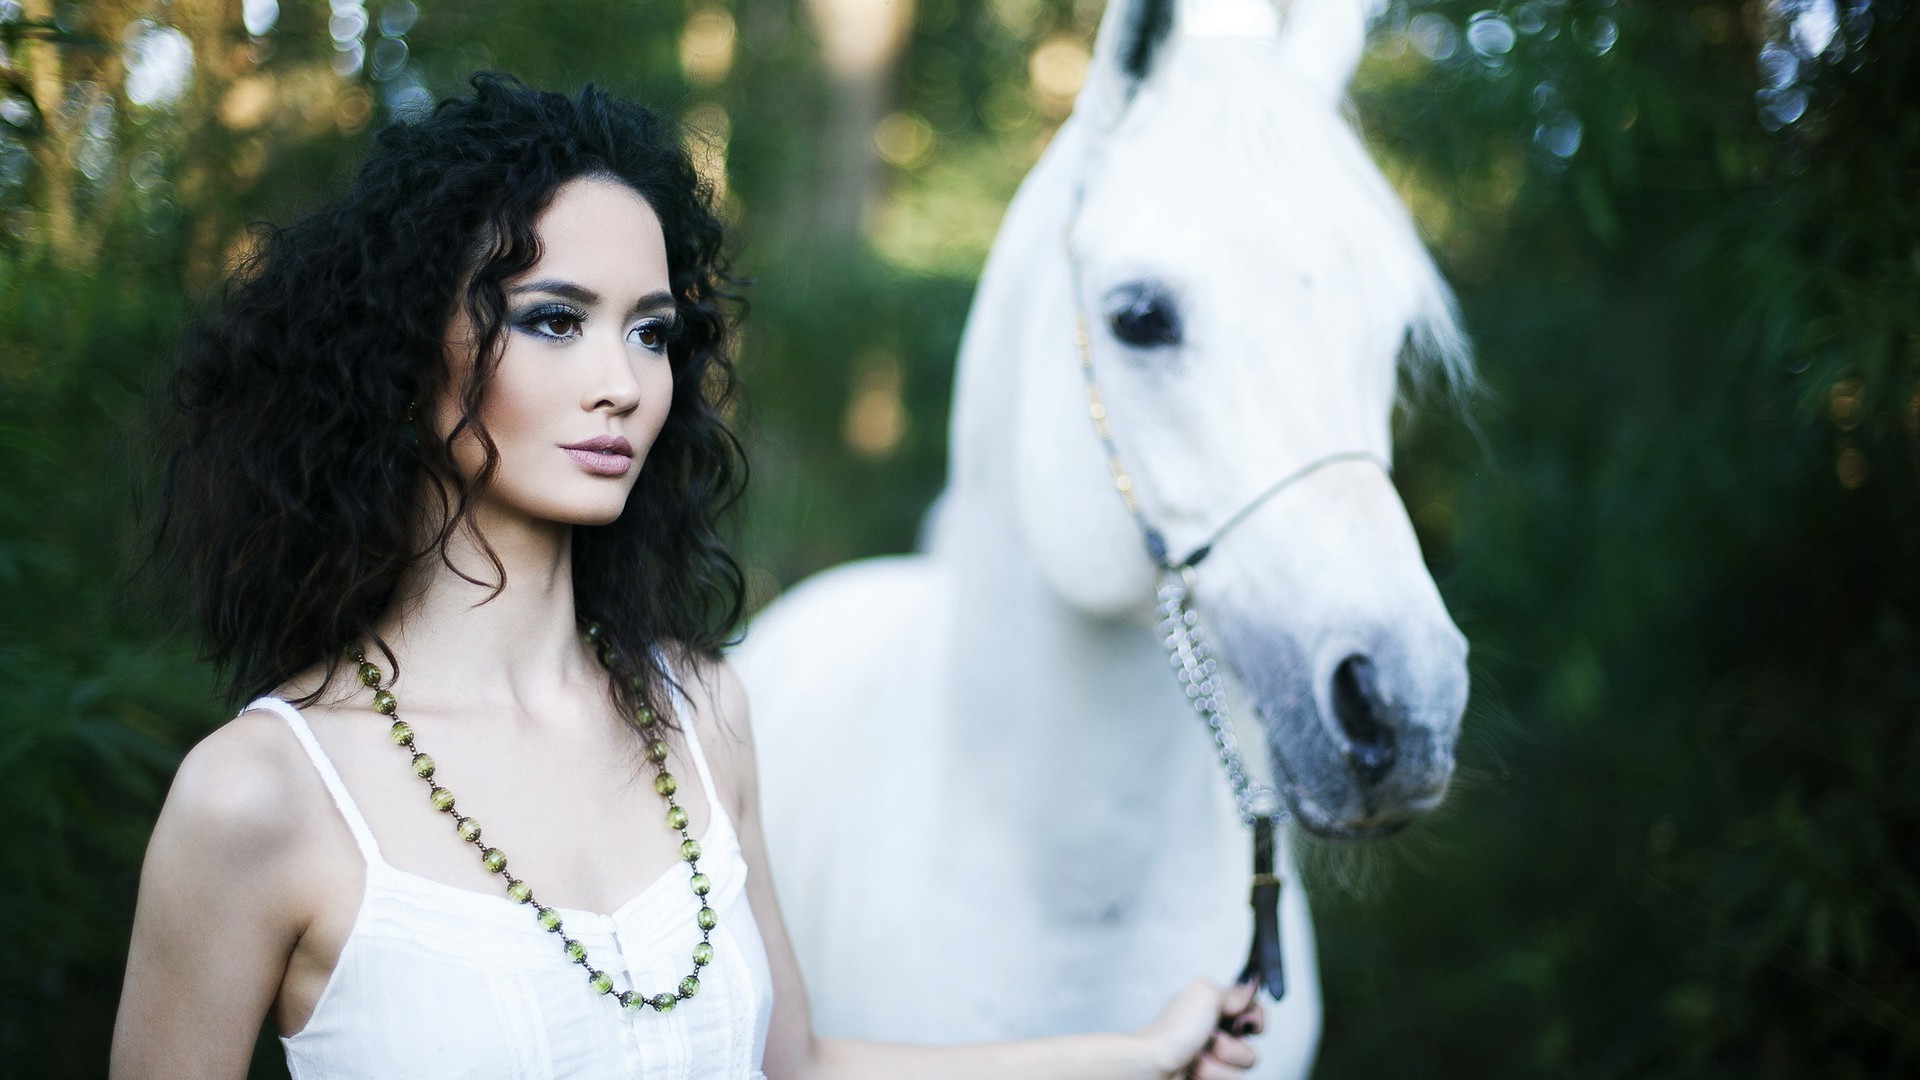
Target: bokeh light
{"type": "Point", "coordinates": [159, 62]}
{"type": "Point", "coordinates": [903, 139]}
{"type": "Point", "coordinates": [259, 16]}
{"type": "Point", "coordinates": [706, 46]}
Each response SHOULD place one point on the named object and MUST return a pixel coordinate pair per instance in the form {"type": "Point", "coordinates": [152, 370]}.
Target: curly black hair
{"type": "Point", "coordinates": [290, 507]}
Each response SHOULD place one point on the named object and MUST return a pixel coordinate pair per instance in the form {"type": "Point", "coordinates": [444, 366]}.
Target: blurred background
{"type": "Point", "coordinates": [1681, 524]}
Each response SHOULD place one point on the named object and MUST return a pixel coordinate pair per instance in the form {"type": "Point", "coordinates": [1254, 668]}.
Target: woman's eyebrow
{"type": "Point", "coordinates": [654, 301]}
{"type": "Point", "coordinates": [580, 294]}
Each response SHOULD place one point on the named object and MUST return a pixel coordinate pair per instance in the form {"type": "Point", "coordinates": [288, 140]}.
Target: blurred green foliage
{"type": "Point", "coordinates": [1682, 530]}
{"type": "Point", "coordinates": [1687, 554]}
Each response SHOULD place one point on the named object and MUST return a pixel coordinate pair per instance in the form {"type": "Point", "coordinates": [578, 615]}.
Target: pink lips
{"type": "Point", "coordinates": [602, 455]}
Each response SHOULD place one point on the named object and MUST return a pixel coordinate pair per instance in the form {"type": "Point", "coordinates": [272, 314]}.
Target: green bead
{"type": "Point", "coordinates": [519, 891]}
{"type": "Point", "coordinates": [601, 982]}
{"type": "Point", "coordinates": [401, 733]}
{"type": "Point", "coordinates": [657, 751]}
{"type": "Point", "coordinates": [550, 919]}
{"type": "Point", "coordinates": [645, 716]}
{"type": "Point", "coordinates": [689, 986]}
{"type": "Point", "coordinates": [442, 798]}
{"type": "Point", "coordinates": [369, 675]}
{"type": "Point", "coordinates": [423, 766]}
{"type": "Point", "coordinates": [384, 701]}
{"type": "Point", "coordinates": [707, 919]}
{"type": "Point", "coordinates": [702, 954]}
{"type": "Point", "coordinates": [593, 631]}
{"type": "Point", "coordinates": [494, 860]}
{"type": "Point", "coordinates": [676, 818]}
{"type": "Point", "coordinates": [664, 1002]}
{"type": "Point", "coordinates": [689, 849]}
{"type": "Point", "coordinates": [665, 784]}
{"type": "Point", "coordinates": [469, 829]}
{"type": "Point", "coordinates": [576, 952]}
{"type": "Point", "coordinates": [701, 885]}
{"type": "Point", "coordinates": [635, 682]}
{"type": "Point", "coordinates": [631, 1001]}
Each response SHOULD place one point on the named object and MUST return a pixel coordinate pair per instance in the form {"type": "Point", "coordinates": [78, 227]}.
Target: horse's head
{"type": "Point", "coordinates": [1253, 290]}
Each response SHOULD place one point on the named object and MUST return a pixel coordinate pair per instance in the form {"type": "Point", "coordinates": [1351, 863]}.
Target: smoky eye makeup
{"type": "Point", "coordinates": [550, 319]}
{"type": "Point", "coordinates": [656, 332]}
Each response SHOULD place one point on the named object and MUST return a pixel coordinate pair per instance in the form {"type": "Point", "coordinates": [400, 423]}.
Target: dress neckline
{"type": "Point", "coordinates": [718, 825]}
{"type": "Point", "coordinates": [717, 828]}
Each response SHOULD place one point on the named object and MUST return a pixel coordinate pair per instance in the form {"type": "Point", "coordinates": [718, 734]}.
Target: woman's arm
{"type": "Point", "coordinates": [216, 917]}
{"type": "Point", "coordinates": [1184, 1036]}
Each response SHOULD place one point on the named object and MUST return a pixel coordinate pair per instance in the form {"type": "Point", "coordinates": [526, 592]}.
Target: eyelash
{"type": "Point", "coordinates": [667, 329]}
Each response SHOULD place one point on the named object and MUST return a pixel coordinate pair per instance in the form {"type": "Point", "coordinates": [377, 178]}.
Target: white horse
{"type": "Point", "coordinates": [990, 808]}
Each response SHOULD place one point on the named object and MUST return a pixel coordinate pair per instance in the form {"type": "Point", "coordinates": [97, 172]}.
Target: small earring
{"type": "Point", "coordinates": [407, 430]}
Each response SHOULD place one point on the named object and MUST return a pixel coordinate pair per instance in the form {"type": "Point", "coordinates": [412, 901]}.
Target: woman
{"type": "Point", "coordinates": [448, 463]}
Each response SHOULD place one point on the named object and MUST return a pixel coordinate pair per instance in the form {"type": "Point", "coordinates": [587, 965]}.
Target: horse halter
{"type": "Point", "coordinates": [1260, 807]}
{"type": "Point", "coordinates": [1123, 481]}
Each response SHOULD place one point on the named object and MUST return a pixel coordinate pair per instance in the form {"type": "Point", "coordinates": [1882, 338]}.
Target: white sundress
{"type": "Point", "coordinates": [437, 982]}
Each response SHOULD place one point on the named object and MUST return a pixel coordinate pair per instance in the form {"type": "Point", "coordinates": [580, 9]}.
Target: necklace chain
{"type": "Point", "coordinates": [495, 861]}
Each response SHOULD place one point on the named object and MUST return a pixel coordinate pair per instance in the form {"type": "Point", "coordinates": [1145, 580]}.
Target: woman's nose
{"type": "Point", "coordinates": [614, 385]}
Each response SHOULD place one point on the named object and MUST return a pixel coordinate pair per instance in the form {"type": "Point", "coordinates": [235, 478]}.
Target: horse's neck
{"type": "Point", "coordinates": [1070, 724]}
{"type": "Point", "coordinates": [1047, 669]}
{"type": "Point", "coordinates": [1070, 689]}
{"type": "Point", "coordinates": [1069, 729]}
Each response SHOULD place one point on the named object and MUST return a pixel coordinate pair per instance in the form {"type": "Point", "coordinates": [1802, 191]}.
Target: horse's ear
{"type": "Point", "coordinates": [1320, 42]}
{"type": "Point", "coordinates": [1131, 33]}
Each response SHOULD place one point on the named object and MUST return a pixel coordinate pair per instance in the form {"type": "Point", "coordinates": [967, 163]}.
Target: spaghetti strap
{"type": "Point", "coordinates": [684, 709]}
{"type": "Point", "coordinates": [349, 811]}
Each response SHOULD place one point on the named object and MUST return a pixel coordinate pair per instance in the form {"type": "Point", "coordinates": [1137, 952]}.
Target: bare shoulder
{"type": "Point", "coordinates": [716, 693]}
{"type": "Point", "coordinates": [223, 902]}
{"type": "Point", "coordinates": [720, 717]}
{"type": "Point", "coordinates": [238, 794]}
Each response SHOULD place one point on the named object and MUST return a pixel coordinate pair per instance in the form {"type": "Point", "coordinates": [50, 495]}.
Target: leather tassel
{"type": "Point", "coordinates": [1264, 964]}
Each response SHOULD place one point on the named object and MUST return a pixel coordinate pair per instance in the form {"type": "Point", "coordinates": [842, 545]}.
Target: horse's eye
{"type": "Point", "coordinates": [1143, 315]}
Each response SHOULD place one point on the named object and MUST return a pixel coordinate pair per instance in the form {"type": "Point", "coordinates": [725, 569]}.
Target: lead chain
{"type": "Point", "coordinates": [1259, 807]}
{"type": "Point", "coordinates": [1187, 648]}
{"type": "Point", "coordinates": [1198, 672]}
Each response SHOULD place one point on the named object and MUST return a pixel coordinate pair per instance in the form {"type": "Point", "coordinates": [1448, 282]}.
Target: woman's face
{"type": "Point", "coordinates": [583, 383]}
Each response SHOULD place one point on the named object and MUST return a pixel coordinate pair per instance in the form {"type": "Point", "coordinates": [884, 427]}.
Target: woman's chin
{"type": "Point", "coordinates": [587, 508]}
{"type": "Point", "coordinates": [599, 513]}
{"type": "Point", "coordinates": [600, 519]}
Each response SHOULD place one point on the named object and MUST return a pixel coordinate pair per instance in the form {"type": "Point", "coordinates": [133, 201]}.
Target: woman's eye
{"type": "Point", "coordinates": [653, 334]}
{"type": "Point", "coordinates": [553, 322]}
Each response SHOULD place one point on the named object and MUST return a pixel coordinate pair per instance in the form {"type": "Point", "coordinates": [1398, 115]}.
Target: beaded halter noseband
{"type": "Point", "coordinates": [1260, 807]}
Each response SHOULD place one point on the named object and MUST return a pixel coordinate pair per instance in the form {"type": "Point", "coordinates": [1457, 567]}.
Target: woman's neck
{"type": "Point", "coordinates": [461, 645]}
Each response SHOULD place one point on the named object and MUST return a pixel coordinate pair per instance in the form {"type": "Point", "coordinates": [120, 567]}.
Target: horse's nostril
{"type": "Point", "coordinates": [1356, 703]}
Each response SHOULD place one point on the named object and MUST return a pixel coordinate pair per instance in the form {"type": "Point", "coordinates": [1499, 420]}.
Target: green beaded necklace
{"type": "Point", "coordinates": [518, 890]}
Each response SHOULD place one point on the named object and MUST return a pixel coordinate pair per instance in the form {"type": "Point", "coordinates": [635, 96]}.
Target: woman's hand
{"type": "Point", "coordinates": [1202, 1033]}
